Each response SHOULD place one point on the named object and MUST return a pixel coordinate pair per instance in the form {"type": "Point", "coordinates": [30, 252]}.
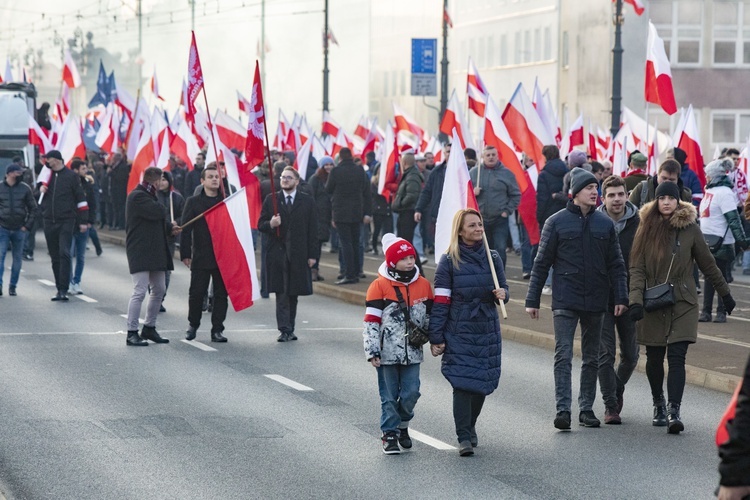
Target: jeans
{"type": "Point", "coordinates": [610, 380]}
{"type": "Point", "coordinates": [141, 283]}
{"type": "Point", "coordinates": [515, 237]}
{"type": "Point", "coordinates": [78, 249]}
{"type": "Point", "coordinates": [565, 322]}
{"type": "Point", "coordinates": [676, 354]}
{"type": "Point", "coordinates": [418, 240]}
{"type": "Point", "coordinates": [94, 235]}
{"type": "Point", "coordinates": [709, 291]}
{"type": "Point", "coordinates": [399, 391]}
{"type": "Point", "coordinates": [199, 280]}
{"type": "Point", "coordinates": [497, 236]}
{"type": "Point", "coordinates": [59, 236]}
{"type": "Point", "coordinates": [349, 240]}
{"type": "Point", "coordinates": [528, 251]}
{"type": "Point", "coordinates": [746, 260]}
{"type": "Point", "coordinates": [466, 409]}
{"type": "Point", "coordinates": [16, 238]}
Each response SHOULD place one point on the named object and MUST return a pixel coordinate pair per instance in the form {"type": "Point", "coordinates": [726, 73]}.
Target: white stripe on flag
{"type": "Point", "coordinates": [239, 214]}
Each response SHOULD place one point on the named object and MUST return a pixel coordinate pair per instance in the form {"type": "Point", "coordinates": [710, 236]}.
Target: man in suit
{"type": "Point", "coordinates": [292, 245]}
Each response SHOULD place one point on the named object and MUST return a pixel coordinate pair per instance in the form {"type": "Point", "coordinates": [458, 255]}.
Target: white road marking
{"type": "Point", "coordinates": [47, 282]}
{"type": "Point", "coordinates": [20, 334]}
{"type": "Point", "coordinates": [431, 441]}
{"type": "Point", "coordinates": [86, 298]}
{"type": "Point", "coordinates": [199, 345]}
{"type": "Point", "coordinates": [289, 383]}
{"type": "Point", "coordinates": [724, 341]}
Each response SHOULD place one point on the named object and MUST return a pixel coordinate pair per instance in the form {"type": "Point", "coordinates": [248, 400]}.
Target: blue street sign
{"type": "Point", "coordinates": [424, 66]}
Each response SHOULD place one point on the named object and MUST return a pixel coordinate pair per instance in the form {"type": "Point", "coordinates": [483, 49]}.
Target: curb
{"type": "Point", "coordinates": [700, 377]}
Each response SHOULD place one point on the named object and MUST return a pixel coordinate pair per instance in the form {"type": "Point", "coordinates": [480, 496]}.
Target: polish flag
{"type": "Point", "coordinates": [620, 157]}
{"type": "Point", "coordinates": [546, 112]}
{"type": "Point", "coordinates": [144, 157]}
{"type": "Point", "coordinates": [184, 145]}
{"type": "Point", "coordinates": [690, 143]}
{"type": "Point", "coordinates": [162, 161]}
{"type": "Point", "coordinates": [125, 101]}
{"type": "Point", "coordinates": [229, 223]}
{"type": "Point", "coordinates": [38, 137]}
{"type": "Point", "coordinates": [476, 92]}
{"type": "Point", "coordinates": [71, 143]}
{"type": "Point", "coordinates": [575, 135]}
{"type": "Point", "coordinates": [387, 173]}
{"type": "Point", "coordinates": [525, 127]}
{"type": "Point", "coordinates": [255, 150]}
{"type": "Point", "coordinates": [107, 136]}
{"type": "Point", "coordinates": [302, 159]}
{"type": "Point", "coordinates": [318, 149]}
{"type": "Point", "coordinates": [70, 73]}
{"type": "Point", "coordinates": [159, 128]}
{"type": "Point", "coordinates": [305, 132]}
{"type": "Point", "coordinates": [243, 103]}
{"type": "Point", "coordinates": [593, 151]}
{"type": "Point", "coordinates": [458, 194]}
{"type": "Point", "coordinates": [454, 119]}
{"type": "Point", "coordinates": [44, 177]}
{"type": "Point", "coordinates": [231, 132]}
{"type": "Point", "coordinates": [330, 126]}
{"type": "Point", "coordinates": [659, 88]}
{"type": "Point", "coordinates": [195, 77]}
{"type": "Point", "coordinates": [495, 134]}
{"type": "Point", "coordinates": [136, 128]}
{"type": "Point", "coordinates": [339, 143]}
{"type": "Point", "coordinates": [446, 17]}
{"type": "Point", "coordinates": [64, 102]}
{"type": "Point", "coordinates": [154, 85]}
{"type": "Point", "coordinates": [281, 131]}
{"type": "Point", "coordinates": [362, 128]}
{"type": "Point", "coordinates": [653, 156]}
{"type": "Point", "coordinates": [405, 123]}
{"type": "Point", "coordinates": [637, 6]}
{"type": "Point", "coordinates": [371, 140]}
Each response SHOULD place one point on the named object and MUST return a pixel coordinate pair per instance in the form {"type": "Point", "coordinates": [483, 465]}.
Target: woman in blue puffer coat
{"type": "Point", "coordinates": [464, 325]}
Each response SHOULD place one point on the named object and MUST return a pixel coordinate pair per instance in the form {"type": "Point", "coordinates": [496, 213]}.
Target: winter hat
{"type": "Point", "coordinates": [579, 179]}
{"type": "Point", "coordinates": [13, 168]}
{"type": "Point", "coordinates": [53, 154]}
{"type": "Point", "coordinates": [325, 160]}
{"type": "Point", "coordinates": [668, 189]}
{"type": "Point", "coordinates": [576, 158]}
{"type": "Point", "coordinates": [638, 159]}
{"type": "Point", "coordinates": [715, 169]}
{"type": "Point", "coordinates": [680, 155]}
{"type": "Point", "coordinates": [396, 249]}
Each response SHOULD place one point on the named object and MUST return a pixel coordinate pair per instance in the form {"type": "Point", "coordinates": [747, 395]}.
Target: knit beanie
{"type": "Point", "coordinates": [668, 189]}
{"type": "Point", "coordinates": [579, 179]}
{"type": "Point", "coordinates": [576, 158]}
{"type": "Point", "coordinates": [396, 249]}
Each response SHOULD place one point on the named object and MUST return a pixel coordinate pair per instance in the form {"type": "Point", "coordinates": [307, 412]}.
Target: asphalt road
{"type": "Point", "coordinates": [83, 416]}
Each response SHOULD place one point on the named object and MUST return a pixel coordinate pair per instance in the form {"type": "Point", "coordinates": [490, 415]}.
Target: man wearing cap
{"type": "Point", "coordinates": [65, 211]}
{"type": "Point", "coordinates": [636, 170]}
{"type": "Point", "coordinates": [17, 209]}
{"type": "Point", "coordinates": [581, 243]}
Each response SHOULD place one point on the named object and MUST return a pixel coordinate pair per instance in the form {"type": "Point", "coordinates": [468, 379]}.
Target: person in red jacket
{"type": "Point", "coordinates": [733, 439]}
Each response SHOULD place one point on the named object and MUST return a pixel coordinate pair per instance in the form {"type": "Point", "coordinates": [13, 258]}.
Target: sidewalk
{"type": "Point", "coordinates": [714, 362]}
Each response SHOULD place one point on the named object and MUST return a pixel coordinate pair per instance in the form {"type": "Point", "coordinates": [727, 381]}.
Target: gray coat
{"type": "Point", "coordinates": [500, 192]}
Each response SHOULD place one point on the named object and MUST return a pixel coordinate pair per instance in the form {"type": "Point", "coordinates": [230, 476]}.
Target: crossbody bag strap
{"type": "Point", "coordinates": [403, 306]}
{"type": "Point", "coordinates": [674, 252]}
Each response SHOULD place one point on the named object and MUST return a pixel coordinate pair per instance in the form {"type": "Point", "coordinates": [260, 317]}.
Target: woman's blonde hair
{"type": "Point", "coordinates": [454, 251]}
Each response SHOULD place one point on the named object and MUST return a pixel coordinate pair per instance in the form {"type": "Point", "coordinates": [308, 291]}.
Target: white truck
{"type": "Point", "coordinates": [17, 103]}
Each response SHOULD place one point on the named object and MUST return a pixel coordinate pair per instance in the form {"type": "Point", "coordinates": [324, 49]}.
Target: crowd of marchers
{"type": "Point", "coordinates": [627, 235]}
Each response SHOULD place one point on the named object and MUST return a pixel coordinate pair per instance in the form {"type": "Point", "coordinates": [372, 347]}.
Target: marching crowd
{"type": "Point", "coordinates": [642, 238]}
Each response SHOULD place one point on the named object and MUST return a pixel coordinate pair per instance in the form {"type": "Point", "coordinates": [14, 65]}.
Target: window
{"type": "Point", "coordinates": [480, 54]}
{"type": "Point", "coordinates": [565, 55]}
{"type": "Point", "coordinates": [547, 43]}
{"type": "Point", "coordinates": [537, 44]}
{"type": "Point", "coordinates": [517, 49]}
{"type": "Point", "coordinates": [680, 25]}
{"type": "Point", "coordinates": [730, 127]}
{"type": "Point", "coordinates": [490, 51]}
{"type": "Point", "coordinates": [503, 50]}
{"type": "Point", "coordinates": [527, 46]}
{"type": "Point", "coordinates": [731, 33]}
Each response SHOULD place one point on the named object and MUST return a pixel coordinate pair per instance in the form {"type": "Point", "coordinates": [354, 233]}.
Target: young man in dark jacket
{"type": "Point", "coordinates": [612, 382]}
{"type": "Point", "coordinates": [65, 211]}
{"type": "Point", "coordinates": [197, 253]}
{"type": "Point", "coordinates": [17, 211]}
{"type": "Point", "coordinates": [146, 245]}
{"type": "Point", "coordinates": [406, 198]}
{"type": "Point", "coordinates": [549, 196]}
{"type": "Point", "coordinates": [581, 244]}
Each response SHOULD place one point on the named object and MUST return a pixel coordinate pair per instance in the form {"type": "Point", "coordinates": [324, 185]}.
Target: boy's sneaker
{"type": "Point", "coordinates": [390, 444]}
{"type": "Point", "coordinates": [588, 419]}
{"type": "Point", "coordinates": [404, 439]}
{"type": "Point", "coordinates": [547, 290]}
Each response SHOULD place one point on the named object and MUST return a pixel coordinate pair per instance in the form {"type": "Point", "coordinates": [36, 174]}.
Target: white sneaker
{"type": "Point", "coordinates": [547, 290]}
{"type": "Point", "coordinates": [75, 288]}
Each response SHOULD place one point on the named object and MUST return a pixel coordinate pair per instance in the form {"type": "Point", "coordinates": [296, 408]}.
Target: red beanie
{"type": "Point", "coordinates": [396, 249]}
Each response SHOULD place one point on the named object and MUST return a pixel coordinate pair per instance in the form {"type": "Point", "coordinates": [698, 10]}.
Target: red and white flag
{"type": "Point", "coordinates": [495, 134]}
{"type": "Point", "coordinates": [231, 132]}
{"type": "Point", "coordinates": [341, 141]}
{"type": "Point", "coordinates": [162, 161]}
{"type": "Point", "coordinates": [154, 85]}
{"type": "Point", "coordinates": [387, 173]}
{"type": "Point", "coordinates": [575, 135]}
{"type": "Point", "coordinates": [593, 151]}
{"type": "Point", "coordinates": [109, 131]}
{"type": "Point", "coordinates": [405, 123]}
{"type": "Point", "coordinates": [454, 119]}
{"type": "Point", "coordinates": [362, 128]}
{"type": "Point", "coordinates": [302, 158]}
{"type": "Point", "coordinates": [447, 18]}
{"type": "Point", "coordinates": [543, 105]}
{"type": "Point", "coordinates": [255, 150]}
{"type": "Point", "coordinates": [637, 6]}
{"type": "Point", "coordinates": [195, 77]}
{"type": "Point", "coordinates": [690, 143]}
{"type": "Point", "coordinates": [71, 143]}
{"type": "Point", "coordinates": [330, 126]}
{"type": "Point", "coordinates": [653, 156]}
{"type": "Point", "coordinates": [38, 137]}
{"type": "Point", "coordinates": [318, 149]}
{"type": "Point", "coordinates": [281, 131]}
{"type": "Point", "coordinates": [125, 101]}
{"type": "Point", "coordinates": [371, 140]}
{"type": "Point", "coordinates": [458, 194]}
{"type": "Point", "coordinates": [144, 157]}
{"type": "Point", "coordinates": [659, 88]}
{"type": "Point", "coordinates": [243, 103]}
{"type": "Point", "coordinates": [525, 127]}
{"type": "Point", "coordinates": [476, 92]}
{"type": "Point", "coordinates": [159, 128]}
{"type": "Point", "coordinates": [229, 223]}
{"type": "Point", "coordinates": [70, 73]}
{"type": "Point", "coordinates": [185, 145]}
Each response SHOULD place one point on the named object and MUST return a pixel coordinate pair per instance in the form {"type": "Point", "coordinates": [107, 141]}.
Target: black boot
{"type": "Point", "coordinates": [675, 424]}
{"type": "Point", "coordinates": [134, 340]}
{"type": "Point", "coordinates": [217, 337]}
{"type": "Point", "coordinates": [660, 413]}
{"type": "Point", "coordinates": [150, 333]}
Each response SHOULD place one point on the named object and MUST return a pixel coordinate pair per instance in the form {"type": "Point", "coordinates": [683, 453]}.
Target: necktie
{"type": "Point", "coordinates": [289, 201]}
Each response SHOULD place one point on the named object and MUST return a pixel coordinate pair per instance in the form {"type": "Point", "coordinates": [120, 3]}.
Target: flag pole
{"type": "Point", "coordinates": [494, 273]}
{"type": "Point", "coordinates": [171, 205]}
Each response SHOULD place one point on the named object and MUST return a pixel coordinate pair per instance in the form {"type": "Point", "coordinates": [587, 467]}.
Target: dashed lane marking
{"type": "Point", "coordinates": [430, 441]}
{"type": "Point", "coordinates": [198, 345]}
{"type": "Point", "coordinates": [86, 298]}
{"type": "Point", "coordinates": [724, 341]}
{"type": "Point", "coordinates": [289, 383]}
{"type": "Point", "coordinates": [46, 282]}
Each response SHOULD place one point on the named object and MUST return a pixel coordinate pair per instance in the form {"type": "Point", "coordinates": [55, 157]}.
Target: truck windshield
{"type": "Point", "coordinates": [6, 158]}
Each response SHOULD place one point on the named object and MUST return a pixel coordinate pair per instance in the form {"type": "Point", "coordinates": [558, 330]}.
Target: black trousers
{"type": "Point", "coordinates": [466, 409]}
{"type": "Point", "coordinates": [676, 354]}
{"type": "Point", "coordinates": [709, 291]}
{"type": "Point", "coordinates": [406, 225]}
{"type": "Point", "coordinates": [59, 236]}
{"type": "Point", "coordinates": [119, 213]}
{"type": "Point", "coordinates": [382, 224]}
{"type": "Point", "coordinates": [349, 233]}
{"type": "Point", "coordinates": [199, 280]}
{"type": "Point", "coordinates": [286, 312]}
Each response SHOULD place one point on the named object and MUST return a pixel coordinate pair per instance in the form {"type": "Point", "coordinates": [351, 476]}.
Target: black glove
{"type": "Point", "coordinates": [729, 303]}
{"type": "Point", "coordinates": [636, 312]}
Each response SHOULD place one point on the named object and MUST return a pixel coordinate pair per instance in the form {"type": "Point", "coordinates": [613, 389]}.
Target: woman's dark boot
{"type": "Point", "coordinates": [660, 413]}
{"type": "Point", "coordinates": [675, 424]}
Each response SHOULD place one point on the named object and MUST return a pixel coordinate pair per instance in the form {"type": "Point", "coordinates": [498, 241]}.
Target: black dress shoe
{"type": "Point", "coordinates": [362, 276]}
{"type": "Point", "coordinates": [283, 337]}
{"type": "Point", "coordinates": [190, 333]}
{"type": "Point", "coordinates": [134, 340]}
{"type": "Point", "coordinates": [346, 281]}
{"type": "Point", "coordinates": [162, 309]}
{"type": "Point", "coordinates": [291, 336]}
{"type": "Point", "coordinates": [11, 291]}
{"type": "Point", "coordinates": [61, 296]}
{"type": "Point", "coordinates": [217, 337]}
{"type": "Point", "coordinates": [150, 333]}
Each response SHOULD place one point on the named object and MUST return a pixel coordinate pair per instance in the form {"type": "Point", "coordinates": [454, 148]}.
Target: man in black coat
{"type": "Point", "coordinates": [193, 178]}
{"type": "Point", "coordinates": [429, 199]}
{"type": "Point", "coordinates": [612, 382]}
{"type": "Point", "coordinates": [65, 211]}
{"type": "Point", "coordinates": [292, 248]}
{"type": "Point", "coordinates": [146, 245]}
{"type": "Point", "coordinates": [581, 244]}
{"type": "Point", "coordinates": [351, 202]}
{"type": "Point", "coordinates": [549, 196]}
{"type": "Point", "coordinates": [119, 173]}
{"type": "Point", "coordinates": [17, 211]}
{"type": "Point", "coordinates": [197, 253]}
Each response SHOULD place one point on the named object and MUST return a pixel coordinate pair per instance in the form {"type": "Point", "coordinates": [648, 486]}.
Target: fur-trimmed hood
{"type": "Point", "coordinates": [683, 216]}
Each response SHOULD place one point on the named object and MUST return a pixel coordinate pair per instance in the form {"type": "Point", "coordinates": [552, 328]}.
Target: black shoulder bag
{"type": "Point", "coordinates": [715, 242]}
{"type": "Point", "coordinates": [415, 334]}
{"type": "Point", "coordinates": [661, 296]}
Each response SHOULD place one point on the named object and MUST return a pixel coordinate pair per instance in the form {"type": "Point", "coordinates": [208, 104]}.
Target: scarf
{"type": "Point", "coordinates": [402, 276]}
{"type": "Point", "coordinates": [150, 188]}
